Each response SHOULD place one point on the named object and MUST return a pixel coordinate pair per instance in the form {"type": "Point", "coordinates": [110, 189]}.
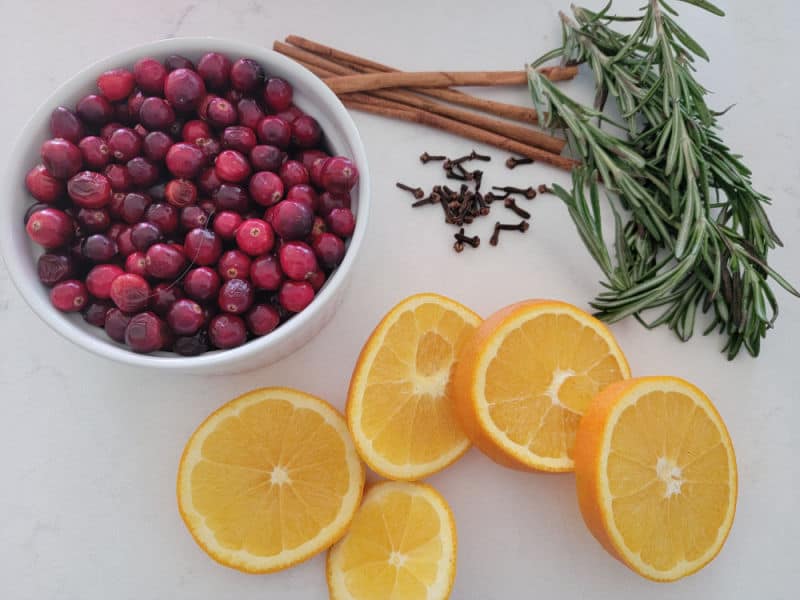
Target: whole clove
{"type": "Point", "coordinates": [417, 191]}
{"type": "Point", "coordinates": [513, 161]}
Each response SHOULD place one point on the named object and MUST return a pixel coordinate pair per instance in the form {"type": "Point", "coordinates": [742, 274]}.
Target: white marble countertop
{"type": "Point", "coordinates": [89, 449]}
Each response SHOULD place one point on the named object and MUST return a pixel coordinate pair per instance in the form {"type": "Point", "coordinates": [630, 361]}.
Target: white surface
{"type": "Point", "coordinates": [89, 449]}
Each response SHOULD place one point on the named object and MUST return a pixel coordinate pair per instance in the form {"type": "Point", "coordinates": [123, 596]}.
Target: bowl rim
{"type": "Point", "coordinates": [301, 77]}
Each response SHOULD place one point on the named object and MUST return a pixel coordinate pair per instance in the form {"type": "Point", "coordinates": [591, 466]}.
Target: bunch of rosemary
{"type": "Point", "coordinates": [691, 232]}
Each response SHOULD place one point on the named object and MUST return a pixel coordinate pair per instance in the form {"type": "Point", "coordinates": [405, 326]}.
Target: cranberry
{"type": "Point", "coordinates": [290, 114]}
{"type": "Point", "coordinates": [164, 216]}
{"type": "Point", "coordinates": [227, 331]}
{"type": "Point", "coordinates": [156, 144]}
{"type": "Point", "coordinates": [294, 296]}
{"type": "Point", "coordinates": [156, 113]}
{"type": "Point", "coordinates": [192, 345]}
{"type": "Point", "coordinates": [144, 235]}
{"type": "Point", "coordinates": [232, 166]}
{"type": "Point", "coordinates": [185, 160]}
{"type": "Point", "coordinates": [135, 104]}
{"type": "Point", "coordinates": [266, 273]}
{"type": "Point", "coordinates": [124, 243]}
{"type": "Point", "coordinates": [54, 268]}
{"type": "Point", "coordinates": [43, 186]}
{"type": "Point", "coordinates": [116, 322]}
{"type": "Point", "coordinates": [65, 124]}
{"type": "Point", "coordinates": [274, 131]}
{"type": "Point", "coordinates": [99, 248]}
{"type": "Point", "coordinates": [306, 132]}
{"type": "Point", "coordinates": [221, 113]}
{"type": "Point", "coordinates": [262, 319]}
{"type": "Point", "coordinates": [96, 153]}
{"type": "Point", "coordinates": [341, 222]}
{"type": "Point", "coordinates": [226, 223]}
{"type": "Point", "coordinates": [201, 284]}
{"type": "Point", "coordinates": [277, 94]}
{"type": "Point", "coordinates": [238, 138]}
{"type": "Point", "coordinates": [158, 192]}
{"type": "Point", "coordinates": [234, 264]}
{"type": "Point", "coordinates": [116, 84]}
{"type": "Point", "coordinates": [194, 130]}
{"type": "Point", "coordinates": [124, 144]}
{"type": "Point", "coordinates": [184, 88]}
{"type": "Point", "coordinates": [292, 220]}
{"type": "Point", "coordinates": [109, 128]}
{"type": "Point", "coordinates": [142, 172]}
{"type": "Point", "coordinates": [267, 158]}
{"type": "Point", "coordinates": [268, 214]}
{"type": "Point", "coordinates": [69, 295]}
{"type": "Point", "coordinates": [316, 169]}
{"type": "Point", "coordinates": [210, 147]}
{"type": "Point", "coordinates": [88, 189]}
{"type": "Point", "coordinates": [100, 279]}
{"type": "Point", "coordinates": [297, 260]}
{"type": "Point", "coordinates": [145, 333]}
{"type": "Point", "coordinates": [329, 250]}
{"type": "Point", "coordinates": [150, 75]}
{"type": "Point", "coordinates": [293, 173]}
{"type": "Point", "coordinates": [339, 174]}
{"type": "Point", "coordinates": [50, 227]}
{"type": "Point", "coordinates": [93, 220]}
{"type": "Point", "coordinates": [95, 312]}
{"type": "Point", "coordinates": [215, 69]}
{"type": "Point", "coordinates": [61, 157]}
{"type": "Point", "coordinates": [255, 237]}
{"type": "Point", "coordinates": [94, 110]}
{"type": "Point", "coordinates": [119, 178]}
{"type": "Point", "coordinates": [164, 296]}
{"type": "Point", "coordinates": [115, 229]}
{"type": "Point", "coordinates": [317, 280]}
{"type": "Point", "coordinates": [236, 296]}
{"type": "Point", "coordinates": [176, 61]}
{"type": "Point", "coordinates": [250, 112]}
{"type": "Point", "coordinates": [304, 194]}
{"type": "Point", "coordinates": [309, 157]}
{"type": "Point", "coordinates": [185, 317]}
{"type": "Point", "coordinates": [231, 197]}
{"type": "Point", "coordinates": [133, 207]}
{"type": "Point", "coordinates": [136, 263]}
{"type": "Point", "coordinates": [331, 200]}
{"type": "Point", "coordinates": [203, 247]}
{"type": "Point", "coordinates": [266, 188]}
{"type": "Point", "coordinates": [246, 75]}
{"type": "Point", "coordinates": [192, 217]}
{"type": "Point", "coordinates": [164, 261]}
{"type": "Point", "coordinates": [208, 182]}
{"type": "Point", "coordinates": [181, 192]}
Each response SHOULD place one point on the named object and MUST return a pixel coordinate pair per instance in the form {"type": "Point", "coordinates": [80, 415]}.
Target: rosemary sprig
{"type": "Point", "coordinates": [691, 233]}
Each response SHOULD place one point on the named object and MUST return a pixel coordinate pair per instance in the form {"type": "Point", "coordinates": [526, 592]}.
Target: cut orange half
{"type": "Point", "coordinates": [656, 476]}
{"type": "Point", "coordinates": [398, 406]}
{"type": "Point", "coordinates": [525, 378]}
{"type": "Point", "coordinates": [269, 479]}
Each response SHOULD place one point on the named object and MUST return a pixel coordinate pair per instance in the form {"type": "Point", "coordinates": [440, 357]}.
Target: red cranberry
{"type": "Point", "coordinates": [156, 113]}
{"type": "Point", "coordinates": [99, 248]}
{"type": "Point", "coordinates": [208, 182]}
{"type": "Point", "coordinates": [309, 157]}
{"type": "Point", "coordinates": [192, 345]}
{"type": "Point", "coordinates": [155, 146]}
{"type": "Point", "coordinates": [43, 186]}
{"type": "Point", "coordinates": [255, 237]}
{"type": "Point", "coordinates": [246, 75]}
{"type": "Point", "coordinates": [293, 173]}
{"type": "Point", "coordinates": [94, 220]}
{"type": "Point", "coordinates": [304, 194]}
{"type": "Point", "coordinates": [268, 214]}
{"type": "Point", "coordinates": [329, 250]}
{"type": "Point", "coordinates": [109, 128]}
{"type": "Point", "coordinates": [236, 296]}
{"type": "Point", "coordinates": [297, 260]}
{"type": "Point", "coordinates": [193, 217]}
{"type": "Point", "coordinates": [164, 261]}
{"type": "Point", "coordinates": [316, 169]}
{"type": "Point", "coordinates": [203, 247]}
{"type": "Point", "coordinates": [317, 280]}
{"type": "Point", "coordinates": [262, 319]}
{"type": "Point", "coordinates": [339, 174]}
{"type": "Point", "coordinates": [164, 216]}
{"type": "Point", "coordinates": [210, 147]}
{"type": "Point", "coordinates": [69, 295]}
{"type": "Point", "coordinates": [88, 189]}
{"type": "Point", "coordinates": [142, 172]}
{"type": "Point", "coordinates": [144, 235]}
{"type": "Point", "coordinates": [292, 220]}
{"type": "Point", "coordinates": [294, 296]}
{"type": "Point", "coordinates": [232, 166]}
{"type": "Point", "coordinates": [221, 113]}
{"type": "Point", "coordinates": [50, 228]}
{"type": "Point", "coordinates": [145, 333]}
{"type": "Point", "coordinates": [194, 130]}
{"type": "Point", "coordinates": [250, 112]}
{"type": "Point", "coordinates": [341, 222]}
{"type": "Point", "coordinates": [266, 273]}
{"type": "Point", "coordinates": [164, 296]}
{"type": "Point", "coordinates": [331, 200]}
{"type": "Point", "coordinates": [277, 94]}
{"type": "Point", "coordinates": [65, 124]}
{"type": "Point", "coordinates": [267, 158]}
{"type": "Point", "coordinates": [119, 178]}
{"type": "Point", "coordinates": [181, 192]}
{"type": "Point", "coordinates": [227, 331]}
{"type": "Point", "coordinates": [150, 75]}
{"type": "Point", "coordinates": [95, 312]}
{"type": "Point", "coordinates": [116, 84]}
{"type": "Point", "coordinates": [176, 61]}
{"type": "Point", "coordinates": [54, 268]}
{"type": "Point", "coordinates": [266, 188]}
{"type": "Point", "coordinates": [226, 223]}
{"type": "Point", "coordinates": [185, 160]}
{"type": "Point", "coordinates": [215, 69]}
{"type": "Point", "coordinates": [306, 132]}
{"type": "Point", "coordinates": [136, 263]}
{"type": "Point", "coordinates": [290, 114]}
{"type": "Point", "coordinates": [274, 131]}
{"type": "Point", "coordinates": [231, 197]}
{"type": "Point", "coordinates": [238, 138]}
{"type": "Point", "coordinates": [185, 317]}
{"type": "Point", "coordinates": [234, 264]}
{"type": "Point", "coordinates": [116, 322]}
{"type": "Point", "coordinates": [94, 110]}
{"type": "Point", "coordinates": [135, 104]}
{"type": "Point", "coordinates": [184, 89]}
{"type": "Point", "coordinates": [124, 144]}
{"type": "Point", "coordinates": [96, 153]}
{"type": "Point", "coordinates": [130, 292]}
{"type": "Point", "coordinates": [201, 284]}
{"type": "Point", "coordinates": [61, 157]}
{"type": "Point", "coordinates": [100, 278]}
{"type": "Point", "coordinates": [133, 207]}
{"type": "Point", "coordinates": [124, 243]}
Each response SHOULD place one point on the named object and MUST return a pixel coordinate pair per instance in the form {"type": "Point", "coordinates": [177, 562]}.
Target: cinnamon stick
{"type": "Point", "coordinates": [376, 81]}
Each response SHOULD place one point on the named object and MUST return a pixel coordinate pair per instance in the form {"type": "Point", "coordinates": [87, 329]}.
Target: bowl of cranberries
{"type": "Point", "coordinates": [191, 204]}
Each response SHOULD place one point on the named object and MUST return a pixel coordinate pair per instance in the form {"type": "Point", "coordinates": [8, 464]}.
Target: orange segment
{"type": "Point", "coordinates": [398, 405]}
{"type": "Point", "coordinates": [401, 545]}
{"type": "Point", "coordinates": [525, 378]}
{"type": "Point", "coordinates": [656, 476]}
{"type": "Point", "coordinates": [269, 479]}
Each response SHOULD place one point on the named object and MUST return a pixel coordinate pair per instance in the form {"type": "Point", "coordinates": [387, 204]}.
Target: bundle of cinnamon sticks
{"type": "Point", "coordinates": [428, 98]}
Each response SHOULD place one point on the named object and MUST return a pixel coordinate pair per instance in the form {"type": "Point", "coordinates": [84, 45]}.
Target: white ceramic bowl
{"type": "Point", "coordinates": [20, 255]}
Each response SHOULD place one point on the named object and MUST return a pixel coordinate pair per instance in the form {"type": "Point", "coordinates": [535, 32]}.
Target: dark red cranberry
{"type": "Point", "coordinates": [124, 144]}
{"type": "Point", "coordinates": [88, 189]}
{"type": "Point", "coordinates": [233, 96]}
{"type": "Point", "coordinates": [246, 75]}
{"type": "Point", "coordinates": [185, 317]}
{"type": "Point", "coordinates": [250, 112]}
{"type": "Point", "coordinates": [202, 107]}
{"type": "Point", "coordinates": [95, 312]}
{"type": "Point", "coordinates": [192, 345]}
{"type": "Point", "coordinates": [93, 220]}
{"type": "Point", "coordinates": [145, 333]}
{"type": "Point", "coordinates": [236, 296]}
{"type": "Point", "coordinates": [266, 273]}
{"type": "Point", "coordinates": [277, 94]}
{"type": "Point", "coordinates": [96, 153]}
{"type": "Point", "coordinates": [201, 284]}
{"type": "Point", "coordinates": [50, 228]}
{"type": "Point", "coordinates": [142, 172]}
{"type": "Point", "coordinates": [164, 261]}
{"type": "Point", "coordinates": [130, 292]}
{"type": "Point", "coordinates": [267, 158]}
{"type": "Point", "coordinates": [144, 235]}
{"type": "Point", "coordinates": [156, 113]}
{"type": "Point", "coordinates": [255, 237]}
{"type": "Point", "coordinates": [119, 178]}
{"type": "Point", "coordinates": [341, 222]}
{"type": "Point", "coordinates": [185, 160]}
{"type": "Point", "coordinates": [329, 250]}
{"type": "Point", "coordinates": [116, 322]}
{"type": "Point", "coordinates": [155, 146]}
{"type": "Point", "coordinates": [339, 174]}
{"type": "Point", "coordinates": [61, 157]}
{"type": "Point", "coordinates": [69, 296]}
{"type": "Point", "coordinates": [135, 105]}
{"type": "Point", "coordinates": [124, 242]}
{"type": "Point", "coordinates": [316, 169]}
{"type": "Point", "coordinates": [133, 207]}
{"type": "Point", "coordinates": [43, 186]}
{"type": "Point", "coordinates": [226, 223]}
{"type": "Point", "coordinates": [109, 128]}
{"type": "Point", "coordinates": [306, 132]}
{"type": "Point", "coordinates": [215, 69]}
{"type": "Point", "coordinates": [208, 182]}
{"type": "Point", "coordinates": [192, 217]}
{"type": "Point", "coordinates": [261, 319]}
{"type": "Point", "coordinates": [232, 166]}
{"type": "Point", "coordinates": [227, 331]}
{"type": "Point", "coordinates": [115, 229]}
{"type": "Point", "coordinates": [294, 296]}
{"type": "Point", "coordinates": [164, 296]}
{"type": "Point", "coordinates": [298, 261]}
{"type": "Point", "coordinates": [54, 268]}
{"type": "Point", "coordinates": [181, 192]}
{"type": "Point", "coordinates": [65, 124]}
{"type": "Point", "coordinates": [164, 216]}
{"type": "Point", "coordinates": [221, 113]}
{"type": "Point", "coordinates": [184, 88]}
{"type": "Point", "coordinates": [304, 194]}
{"type": "Point", "coordinates": [292, 172]}
{"type": "Point", "coordinates": [100, 278]}
{"type": "Point", "coordinates": [274, 131]}
{"type": "Point", "coordinates": [136, 263]}
{"type": "Point", "coordinates": [290, 114]}
{"type": "Point", "coordinates": [99, 248]}
{"type": "Point", "coordinates": [266, 188]}
{"type": "Point", "coordinates": [116, 84]}
{"type": "Point", "coordinates": [94, 110]}
{"type": "Point", "coordinates": [238, 138]}
{"type": "Point", "coordinates": [194, 130]}
{"type": "Point", "coordinates": [292, 220]}
{"type": "Point", "coordinates": [234, 264]}
{"type": "Point", "coordinates": [150, 75]}
{"type": "Point", "coordinates": [309, 157]}
{"type": "Point", "coordinates": [317, 280]}
{"type": "Point", "coordinates": [176, 61]}
{"type": "Point", "coordinates": [331, 200]}
{"type": "Point", "coordinates": [231, 197]}
{"type": "Point", "coordinates": [210, 147]}
{"type": "Point", "coordinates": [203, 247]}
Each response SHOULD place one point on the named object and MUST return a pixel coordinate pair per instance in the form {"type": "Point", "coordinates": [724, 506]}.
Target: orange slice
{"type": "Point", "coordinates": [525, 378]}
{"type": "Point", "coordinates": [656, 476]}
{"type": "Point", "coordinates": [398, 407]}
{"type": "Point", "coordinates": [401, 545]}
{"type": "Point", "coordinates": [269, 479]}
